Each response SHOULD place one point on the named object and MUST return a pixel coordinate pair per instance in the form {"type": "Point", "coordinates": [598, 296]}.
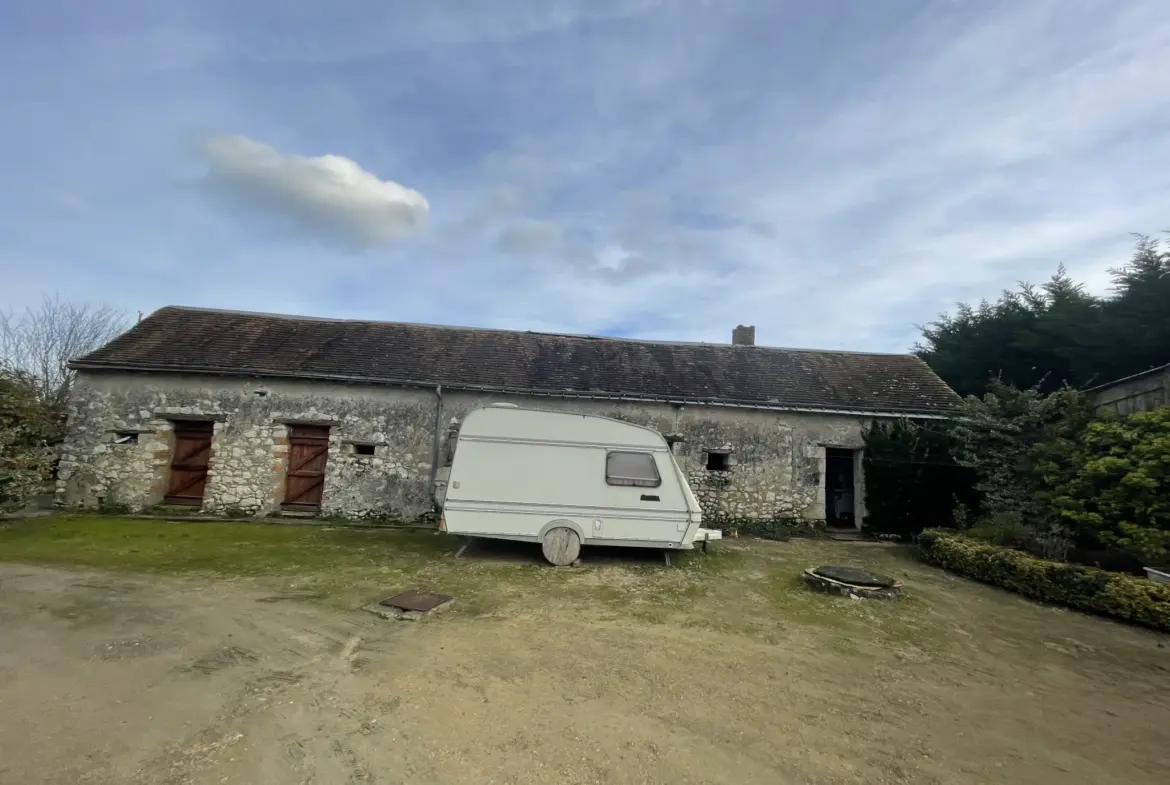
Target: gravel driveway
{"type": "Point", "coordinates": [106, 678]}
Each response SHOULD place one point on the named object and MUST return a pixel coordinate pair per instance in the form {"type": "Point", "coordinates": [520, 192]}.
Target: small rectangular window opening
{"type": "Point", "coordinates": [126, 437]}
{"type": "Point", "coordinates": [363, 449]}
{"type": "Point", "coordinates": [632, 468]}
{"type": "Point", "coordinates": [718, 461]}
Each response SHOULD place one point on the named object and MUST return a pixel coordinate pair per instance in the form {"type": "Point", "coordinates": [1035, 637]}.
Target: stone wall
{"type": "Point", "coordinates": [776, 477]}
{"type": "Point", "coordinates": [248, 462]}
{"type": "Point", "coordinates": [249, 456]}
{"type": "Point", "coordinates": [104, 474]}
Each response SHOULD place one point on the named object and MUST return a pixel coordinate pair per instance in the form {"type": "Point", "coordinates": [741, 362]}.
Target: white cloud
{"type": "Point", "coordinates": [328, 194]}
{"type": "Point", "coordinates": [616, 262]}
{"type": "Point", "coordinates": [648, 166]}
{"type": "Point", "coordinates": [984, 154]}
{"type": "Point", "coordinates": [394, 27]}
{"type": "Point", "coordinates": [531, 236]}
{"type": "Point", "coordinates": [503, 220]}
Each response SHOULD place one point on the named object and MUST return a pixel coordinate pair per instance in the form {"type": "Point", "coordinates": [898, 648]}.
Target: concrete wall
{"type": "Point", "coordinates": [1140, 393]}
{"type": "Point", "coordinates": [777, 473]}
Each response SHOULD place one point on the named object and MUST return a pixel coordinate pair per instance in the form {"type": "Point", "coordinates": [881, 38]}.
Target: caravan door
{"type": "Point", "coordinates": [647, 503]}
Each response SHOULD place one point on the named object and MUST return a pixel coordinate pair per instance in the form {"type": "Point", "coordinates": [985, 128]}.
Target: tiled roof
{"type": "Point", "coordinates": [237, 343]}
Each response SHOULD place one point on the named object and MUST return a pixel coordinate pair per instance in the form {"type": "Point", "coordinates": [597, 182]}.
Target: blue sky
{"type": "Point", "coordinates": [832, 172]}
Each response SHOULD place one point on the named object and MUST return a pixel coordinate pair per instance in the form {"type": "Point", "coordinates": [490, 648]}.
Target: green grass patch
{"type": "Point", "coordinates": [225, 548]}
{"type": "Point", "coordinates": [743, 587]}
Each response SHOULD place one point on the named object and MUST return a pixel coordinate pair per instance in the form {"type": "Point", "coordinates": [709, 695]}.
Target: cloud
{"type": "Point", "coordinates": [499, 218]}
{"type": "Point", "coordinates": [831, 172]}
{"type": "Point", "coordinates": [377, 28]}
{"type": "Point", "coordinates": [531, 237]}
{"type": "Point", "coordinates": [980, 148]}
{"type": "Point", "coordinates": [602, 261]}
{"type": "Point", "coordinates": [329, 194]}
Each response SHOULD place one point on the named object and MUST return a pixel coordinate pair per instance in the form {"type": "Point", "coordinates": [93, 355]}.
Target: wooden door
{"type": "Point", "coordinates": [189, 462]}
{"type": "Point", "coordinates": [308, 449]}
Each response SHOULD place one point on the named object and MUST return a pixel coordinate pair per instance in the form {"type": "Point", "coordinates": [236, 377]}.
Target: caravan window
{"type": "Point", "coordinates": [632, 468]}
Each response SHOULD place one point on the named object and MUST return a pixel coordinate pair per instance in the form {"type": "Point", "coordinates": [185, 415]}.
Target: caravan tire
{"type": "Point", "coordinates": [561, 546]}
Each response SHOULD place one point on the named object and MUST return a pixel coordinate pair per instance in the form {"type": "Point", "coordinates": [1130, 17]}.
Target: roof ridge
{"type": "Point", "coordinates": [584, 336]}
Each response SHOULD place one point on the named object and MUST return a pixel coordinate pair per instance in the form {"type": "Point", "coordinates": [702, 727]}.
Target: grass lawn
{"type": "Point", "coordinates": [720, 668]}
{"type": "Point", "coordinates": [343, 566]}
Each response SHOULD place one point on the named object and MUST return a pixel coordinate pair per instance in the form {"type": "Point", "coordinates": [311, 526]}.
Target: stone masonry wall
{"type": "Point", "coordinates": [774, 480]}
{"type": "Point", "coordinates": [249, 457]}
{"type": "Point", "coordinates": [778, 474]}
{"type": "Point", "coordinates": [248, 462]}
{"type": "Point", "coordinates": [776, 477]}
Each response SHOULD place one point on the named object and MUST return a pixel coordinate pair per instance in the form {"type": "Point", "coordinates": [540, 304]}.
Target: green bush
{"type": "Point", "coordinates": [25, 457]}
{"type": "Point", "coordinates": [1111, 483]}
{"type": "Point", "coordinates": [1135, 600]}
{"type": "Point", "coordinates": [1006, 529]}
{"type": "Point", "coordinates": [996, 436]}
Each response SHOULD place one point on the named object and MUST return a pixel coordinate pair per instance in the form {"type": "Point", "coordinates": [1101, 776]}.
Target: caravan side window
{"type": "Point", "coordinates": [632, 468]}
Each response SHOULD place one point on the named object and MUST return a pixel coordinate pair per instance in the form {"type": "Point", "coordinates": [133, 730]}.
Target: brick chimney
{"type": "Point", "coordinates": [744, 335]}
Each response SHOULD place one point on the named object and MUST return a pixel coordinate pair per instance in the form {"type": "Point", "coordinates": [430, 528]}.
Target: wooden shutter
{"type": "Point", "coordinates": [189, 462]}
{"type": "Point", "coordinates": [307, 453]}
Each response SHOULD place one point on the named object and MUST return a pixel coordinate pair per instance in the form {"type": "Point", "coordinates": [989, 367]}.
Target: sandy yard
{"type": "Point", "coordinates": [211, 653]}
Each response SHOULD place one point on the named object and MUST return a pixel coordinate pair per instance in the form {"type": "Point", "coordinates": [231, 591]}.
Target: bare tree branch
{"type": "Point", "coordinates": [37, 345]}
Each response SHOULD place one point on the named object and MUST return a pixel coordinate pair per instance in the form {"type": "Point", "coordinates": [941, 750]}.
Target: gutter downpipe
{"type": "Point", "coordinates": [435, 441]}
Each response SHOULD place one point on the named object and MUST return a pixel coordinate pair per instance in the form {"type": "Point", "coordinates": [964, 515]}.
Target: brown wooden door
{"type": "Point", "coordinates": [189, 462]}
{"type": "Point", "coordinates": [307, 452]}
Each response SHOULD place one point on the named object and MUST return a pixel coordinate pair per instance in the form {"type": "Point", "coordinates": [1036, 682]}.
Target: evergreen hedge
{"type": "Point", "coordinates": [1136, 600]}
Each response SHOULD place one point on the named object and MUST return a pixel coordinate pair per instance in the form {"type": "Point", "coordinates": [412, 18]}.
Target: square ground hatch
{"type": "Point", "coordinates": [419, 601]}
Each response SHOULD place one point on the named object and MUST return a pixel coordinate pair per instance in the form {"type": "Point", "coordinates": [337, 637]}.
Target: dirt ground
{"type": "Point", "coordinates": [107, 677]}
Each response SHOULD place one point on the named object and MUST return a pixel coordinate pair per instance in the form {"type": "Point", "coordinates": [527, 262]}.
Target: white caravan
{"type": "Point", "coordinates": [568, 479]}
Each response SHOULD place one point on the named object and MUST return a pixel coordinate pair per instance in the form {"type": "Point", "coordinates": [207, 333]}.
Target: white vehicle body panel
{"type": "Point", "coordinates": [517, 473]}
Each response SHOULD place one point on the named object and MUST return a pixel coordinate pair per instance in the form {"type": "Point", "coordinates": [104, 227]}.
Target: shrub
{"type": "Point", "coordinates": [1111, 483]}
{"type": "Point", "coordinates": [997, 436]}
{"type": "Point", "coordinates": [25, 458]}
{"type": "Point", "coordinates": [1006, 529]}
{"type": "Point", "coordinates": [1087, 589]}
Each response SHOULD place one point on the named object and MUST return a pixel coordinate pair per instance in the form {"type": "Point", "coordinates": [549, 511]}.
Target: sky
{"type": "Point", "coordinates": [835, 173]}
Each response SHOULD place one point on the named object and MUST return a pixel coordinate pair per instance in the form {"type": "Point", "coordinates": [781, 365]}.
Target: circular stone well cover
{"type": "Point", "coordinates": [855, 576]}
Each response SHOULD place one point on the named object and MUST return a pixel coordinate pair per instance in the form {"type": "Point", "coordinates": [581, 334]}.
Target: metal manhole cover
{"type": "Point", "coordinates": [421, 601]}
{"type": "Point", "coordinates": [855, 577]}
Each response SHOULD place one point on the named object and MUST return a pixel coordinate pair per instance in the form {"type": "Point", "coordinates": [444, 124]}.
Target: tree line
{"type": "Point", "coordinates": [1025, 462]}
{"type": "Point", "coordinates": [1058, 334]}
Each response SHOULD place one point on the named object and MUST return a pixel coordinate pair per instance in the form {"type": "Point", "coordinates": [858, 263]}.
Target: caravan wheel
{"type": "Point", "coordinates": [561, 546]}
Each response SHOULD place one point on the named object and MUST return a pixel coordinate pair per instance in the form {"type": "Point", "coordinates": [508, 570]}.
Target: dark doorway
{"type": "Point", "coordinates": [839, 489]}
{"type": "Point", "coordinates": [307, 452]}
{"type": "Point", "coordinates": [718, 461]}
{"type": "Point", "coordinates": [189, 462]}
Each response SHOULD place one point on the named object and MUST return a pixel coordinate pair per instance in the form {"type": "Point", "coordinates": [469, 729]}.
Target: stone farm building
{"type": "Point", "coordinates": [257, 414]}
